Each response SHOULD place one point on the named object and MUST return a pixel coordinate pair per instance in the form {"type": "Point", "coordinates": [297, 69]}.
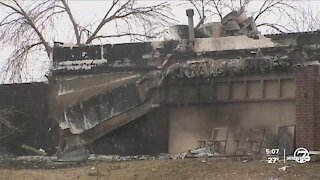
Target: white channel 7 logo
{"type": "Point", "coordinates": [300, 155]}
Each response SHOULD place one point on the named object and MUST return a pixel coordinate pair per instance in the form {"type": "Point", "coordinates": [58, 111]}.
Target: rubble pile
{"type": "Point", "coordinates": [196, 153]}
{"type": "Point", "coordinates": [53, 160]}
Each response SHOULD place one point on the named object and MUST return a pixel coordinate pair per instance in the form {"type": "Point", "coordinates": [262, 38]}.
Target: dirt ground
{"type": "Point", "coordinates": [167, 169]}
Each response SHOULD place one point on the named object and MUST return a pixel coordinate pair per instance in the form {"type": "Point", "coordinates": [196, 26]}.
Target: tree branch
{"type": "Point", "coordinates": [74, 24]}
{"type": "Point", "coordinates": [32, 24]}
{"type": "Point", "coordinates": [128, 10]}
{"type": "Point", "coordinates": [275, 26]}
{"type": "Point", "coordinates": [104, 20]}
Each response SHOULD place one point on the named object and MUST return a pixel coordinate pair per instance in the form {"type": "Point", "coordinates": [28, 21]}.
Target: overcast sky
{"type": "Point", "coordinates": [92, 11]}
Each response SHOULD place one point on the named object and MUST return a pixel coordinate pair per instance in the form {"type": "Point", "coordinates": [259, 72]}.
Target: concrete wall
{"type": "Point", "coordinates": [238, 103]}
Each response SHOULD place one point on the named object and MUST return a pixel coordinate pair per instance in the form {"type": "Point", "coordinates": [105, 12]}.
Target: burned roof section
{"type": "Point", "coordinates": [152, 55]}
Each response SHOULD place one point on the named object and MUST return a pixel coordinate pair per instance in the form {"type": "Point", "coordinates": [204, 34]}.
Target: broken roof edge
{"type": "Point", "coordinates": [268, 35]}
{"type": "Point", "coordinates": [198, 45]}
{"type": "Point", "coordinates": [144, 56]}
{"type": "Point", "coordinates": [291, 34]}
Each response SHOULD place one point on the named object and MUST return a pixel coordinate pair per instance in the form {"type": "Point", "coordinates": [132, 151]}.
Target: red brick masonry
{"type": "Point", "coordinates": [307, 80]}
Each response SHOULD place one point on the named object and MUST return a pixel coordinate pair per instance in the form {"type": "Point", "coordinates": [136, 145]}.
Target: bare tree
{"type": "Point", "coordinates": [23, 29]}
{"type": "Point", "coordinates": [27, 26]}
{"type": "Point", "coordinates": [297, 15]}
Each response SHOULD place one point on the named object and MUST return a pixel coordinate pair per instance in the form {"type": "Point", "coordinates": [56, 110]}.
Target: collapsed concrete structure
{"type": "Point", "coordinates": [165, 96]}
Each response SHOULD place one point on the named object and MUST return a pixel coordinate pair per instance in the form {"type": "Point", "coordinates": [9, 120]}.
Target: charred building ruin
{"type": "Point", "coordinates": [152, 97]}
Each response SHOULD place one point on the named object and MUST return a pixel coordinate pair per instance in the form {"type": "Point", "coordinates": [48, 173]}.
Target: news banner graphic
{"type": "Point", "coordinates": [300, 155]}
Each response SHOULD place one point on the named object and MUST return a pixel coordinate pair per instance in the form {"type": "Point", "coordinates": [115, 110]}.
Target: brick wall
{"type": "Point", "coordinates": [31, 102]}
{"type": "Point", "coordinates": [307, 107]}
